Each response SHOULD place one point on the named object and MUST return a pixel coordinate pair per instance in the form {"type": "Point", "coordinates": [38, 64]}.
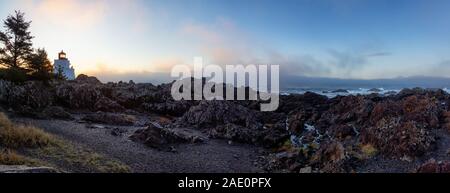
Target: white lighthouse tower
{"type": "Point", "coordinates": [62, 65]}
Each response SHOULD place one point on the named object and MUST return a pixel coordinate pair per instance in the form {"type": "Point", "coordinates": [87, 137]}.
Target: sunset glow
{"type": "Point", "coordinates": [344, 40]}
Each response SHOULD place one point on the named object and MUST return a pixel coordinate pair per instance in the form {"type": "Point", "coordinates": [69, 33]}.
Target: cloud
{"type": "Point", "coordinates": [221, 41]}
{"type": "Point", "coordinates": [69, 13]}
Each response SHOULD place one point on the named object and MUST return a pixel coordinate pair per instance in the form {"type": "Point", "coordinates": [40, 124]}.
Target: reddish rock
{"type": "Point", "coordinates": [433, 166]}
{"type": "Point", "coordinates": [395, 138]}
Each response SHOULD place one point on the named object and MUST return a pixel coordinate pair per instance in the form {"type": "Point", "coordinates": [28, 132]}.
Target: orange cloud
{"type": "Point", "coordinates": [65, 13]}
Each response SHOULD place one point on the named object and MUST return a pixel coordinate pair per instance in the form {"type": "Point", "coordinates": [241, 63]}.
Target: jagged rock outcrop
{"type": "Point", "coordinates": [214, 113]}
{"type": "Point", "coordinates": [27, 97]}
{"type": "Point", "coordinates": [232, 121]}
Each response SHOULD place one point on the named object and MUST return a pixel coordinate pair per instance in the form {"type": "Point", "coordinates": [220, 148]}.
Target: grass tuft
{"type": "Point", "coordinates": [22, 136]}
{"type": "Point", "coordinates": [9, 157]}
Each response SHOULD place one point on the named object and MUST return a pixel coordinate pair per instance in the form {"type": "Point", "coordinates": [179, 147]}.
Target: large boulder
{"type": "Point", "coordinates": [161, 138]}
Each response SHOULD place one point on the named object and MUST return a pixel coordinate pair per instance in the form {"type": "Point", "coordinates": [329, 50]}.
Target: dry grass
{"type": "Point", "coordinates": [80, 159]}
{"type": "Point", "coordinates": [368, 150]}
{"type": "Point", "coordinates": [38, 144]}
{"type": "Point", "coordinates": [19, 136]}
{"type": "Point", "coordinates": [9, 157]}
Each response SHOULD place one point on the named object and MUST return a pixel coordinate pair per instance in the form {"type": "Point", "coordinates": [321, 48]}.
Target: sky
{"type": "Point", "coordinates": [353, 39]}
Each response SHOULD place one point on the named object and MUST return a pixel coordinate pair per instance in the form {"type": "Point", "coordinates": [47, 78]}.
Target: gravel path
{"type": "Point", "coordinates": [214, 156]}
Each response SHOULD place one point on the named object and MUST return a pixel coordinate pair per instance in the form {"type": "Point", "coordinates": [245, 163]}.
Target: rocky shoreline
{"type": "Point", "coordinates": [405, 132]}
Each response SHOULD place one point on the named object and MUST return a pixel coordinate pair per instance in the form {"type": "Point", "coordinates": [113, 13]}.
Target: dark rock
{"type": "Point", "coordinates": [77, 95]}
{"type": "Point", "coordinates": [398, 139]}
{"type": "Point", "coordinates": [118, 131]}
{"type": "Point", "coordinates": [110, 118]}
{"type": "Point", "coordinates": [340, 91]}
{"type": "Point", "coordinates": [329, 152]}
{"type": "Point", "coordinates": [214, 113]}
{"type": "Point", "coordinates": [57, 113]}
{"type": "Point", "coordinates": [375, 90]}
{"type": "Point", "coordinates": [87, 79]}
{"type": "Point", "coordinates": [432, 166]}
{"type": "Point", "coordinates": [390, 93]}
{"type": "Point", "coordinates": [107, 105]}
{"type": "Point", "coordinates": [27, 98]}
{"type": "Point", "coordinates": [236, 133]}
{"type": "Point", "coordinates": [161, 138]}
{"type": "Point", "coordinates": [174, 108]}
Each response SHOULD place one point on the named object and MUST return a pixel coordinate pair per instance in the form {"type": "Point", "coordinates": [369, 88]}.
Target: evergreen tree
{"type": "Point", "coordinates": [60, 74]}
{"type": "Point", "coordinates": [16, 41]}
{"type": "Point", "coordinates": [39, 65]}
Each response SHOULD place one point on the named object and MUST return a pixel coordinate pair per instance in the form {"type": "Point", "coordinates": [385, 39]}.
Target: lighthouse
{"type": "Point", "coordinates": [62, 65]}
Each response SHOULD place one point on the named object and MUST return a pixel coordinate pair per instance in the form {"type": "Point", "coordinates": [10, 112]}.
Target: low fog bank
{"type": "Point", "coordinates": [300, 81]}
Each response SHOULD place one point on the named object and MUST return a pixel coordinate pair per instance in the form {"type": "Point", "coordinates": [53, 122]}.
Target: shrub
{"type": "Point", "coordinates": [16, 75]}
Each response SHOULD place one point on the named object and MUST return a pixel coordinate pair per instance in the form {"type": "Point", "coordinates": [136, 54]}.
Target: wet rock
{"type": "Point", "coordinates": [375, 90]}
{"type": "Point", "coordinates": [390, 93]}
{"type": "Point", "coordinates": [298, 120]}
{"type": "Point", "coordinates": [110, 118]}
{"type": "Point", "coordinates": [340, 91]}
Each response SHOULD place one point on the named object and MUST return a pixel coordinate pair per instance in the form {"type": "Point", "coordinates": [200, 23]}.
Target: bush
{"type": "Point", "coordinates": [16, 75]}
